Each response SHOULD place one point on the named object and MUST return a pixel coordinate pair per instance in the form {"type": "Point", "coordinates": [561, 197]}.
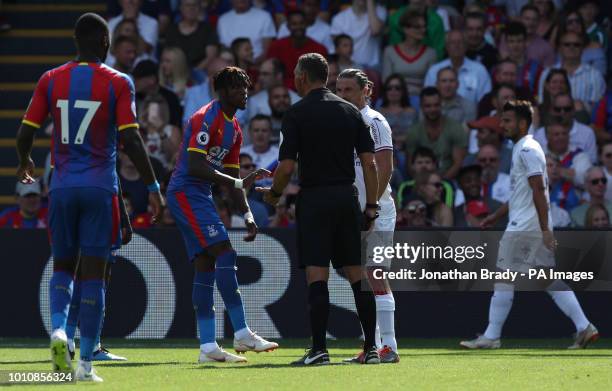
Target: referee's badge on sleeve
{"type": "Point", "coordinates": [202, 138]}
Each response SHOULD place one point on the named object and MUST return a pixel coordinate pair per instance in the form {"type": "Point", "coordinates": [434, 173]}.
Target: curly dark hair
{"type": "Point", "coordinates": [230, 77]}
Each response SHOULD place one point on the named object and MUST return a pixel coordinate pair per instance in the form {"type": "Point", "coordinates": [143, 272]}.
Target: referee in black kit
{"type": "Point", "coordinates": [322, 132]}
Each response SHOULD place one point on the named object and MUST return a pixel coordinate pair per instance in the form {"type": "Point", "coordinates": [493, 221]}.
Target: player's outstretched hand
{"type": "Point", "coordinates": [267, 196]}
{"type": "Point", "coordinates": [157, 203]}
{"type": "Point", "coordinates": [25, 173]}
{"type": "Point", "coordinates": [488, 221]}
{"type": "Point", "coordinates": [260, 173]}
{"type": "Point", "coordinates": [252, 230]}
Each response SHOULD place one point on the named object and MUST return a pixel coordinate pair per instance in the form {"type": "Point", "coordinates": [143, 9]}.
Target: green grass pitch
{"type": "Point", "coordinates": [425, 365]}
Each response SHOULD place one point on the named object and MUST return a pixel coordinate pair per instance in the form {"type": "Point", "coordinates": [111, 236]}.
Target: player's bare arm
{"type": "Point", "coordinates": [25, 139]}
{"type": "Point", "coordinates": [370, 178]}
{"type": "Point", "coordinates": [135, 149]}
{"type": "Point", "coordinates": [199, 167]}
{"type": "Point", "coordinates": [384, 164]}
{"type": "Point", "coordinates": [282, 175]}
{"type": "Point", "coordinates": [243, 206]}
{"type": "Point", "coordinates": [491, 219]}
{"type": "Point", "coordinates": [536, 183]}
{"type": "Point", "coordinates": [126, 226]}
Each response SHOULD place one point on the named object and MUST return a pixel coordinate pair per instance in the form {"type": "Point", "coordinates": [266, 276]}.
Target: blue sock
{"type": "Point", "coordinates": [227, 283]}
{"type": "Point", "coordinates": [202, 298]}
{"type": "Point", "coordinates": [92, 309]}
{"type": "Point", "coordinates": [60, 293]}
{"type": "Point", "coordinates": [73, 314]}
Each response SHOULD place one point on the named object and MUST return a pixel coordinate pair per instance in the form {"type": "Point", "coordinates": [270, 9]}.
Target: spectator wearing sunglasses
{"type": "Point", "coordinates": [587, 83]}
{"type": "Point", "coordinates": [595, 183]}
{"type": "Point", "coordinates": [396, 107]}
{"type": "Point", "coordinates": [556, 83]}
{"type": "Point", "coordinates": [414, 214]}
{"type": "Point", "coordinates": [428, 186]}
{"type": "Point", "coordinates": [580, 136]}
{"type": "Point", "coordinates": [605, 157]}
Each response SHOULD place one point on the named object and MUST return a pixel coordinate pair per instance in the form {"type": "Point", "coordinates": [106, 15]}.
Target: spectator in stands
{"type": "Point", "coordinates": [124, 53]}
{"type": "Point", "coordinates": [595, 183]}
{"type": "Point", "coordinates": [271, 73]}
{"type": "Point", "coordinates": [279, 102]}
{"type": "Point", "coordinates": [529, 70]}
{"type": "Point", "coordinates": [593, 53]}
{"type": "Point", "coordinates": [364, 21]}
{"type": "Point", "coordinates": [573, 162]}
{"type": "Point", "coordinates": [160, 137]}
{"type": "Point", "coordinates": [146, 82]}
{"type": "Point", "coordinates": [259, 209]}
{"type": "Point", "coordinates": [288, 50]}
{"type": "Point", "coordinates": [470, 190]}
{"type": "Point", "coordinates": [478, 49]}
{"type": "Point", "coordinates": [472, 213]}
{"type": "Point", "coordinates": [200, 94]}
{"type": "Point", "coordinates": [505, 72]}
{"type": "Point", "coordinates": [343, 46]}
{"type": "Point", "coordinates": [174, 72]}
{"type": "Point", "coordinates": [132, 183]}
{"type": "Point", "coordinates": [563, 194]}
{"type": "Point", "coordinates": [244, 20]}
{"type": "Point", "coordinates": [538, 48]}
{"type": "Point", "coordinates": [423, 160]}
{"type": "Point", "coordinates": [434, 36]}
{"type": "Point", "coordinates": [160, 10]}
{"type": "Point", "coordinates": [454, 106]}
{"type": "Point", "coordinates": [444, 136]}
{"type": "Point", "coordinates": [581, 136]}
{"type": "Point", "coordinates": [556, 83]}
{"type": "Point", "coordinates": [414, 214]}
{"type": "Point", "coordinates": [602, 117]}
{"type": "Point", "coordinates": [495, 184]}
{"type": "Point", "coordinates": [587, 83]}
{"type": "Point", "coordinates": [128, 28]}
{"type": "Point", "coordinates": [605, 157]}
{"type": "Point", "coordinates": [147, 26]}
{"type": "Point", "coordinates": [589, 10]}
{"type": "Point", "coordinates": [29, 212]}
{"type": "Point", "coordinates": [428, 185]}
{"type": "Point", "coordinates": [316, 28]}
{"type": "Point", "coordinates": [396, 107]}
{"type": "Point", "coordinates": [474, 80]}
{"type": "Point", "coordinates": [597, 216]}
{"type": "Point", "coordinates": [333, 70]}
{"type": "Point", "coordinates": [488, 130]}
{"type": "Point", "coordinates": [243, 54]}
{"type": "Point", "coordinates": [548, 19]}
{"type": "Point", "coordinates": [198, 40]}
{"type": "Point", "coordinates": [410, 58]}
{"type": "Point", "coordinates": [261, 150]}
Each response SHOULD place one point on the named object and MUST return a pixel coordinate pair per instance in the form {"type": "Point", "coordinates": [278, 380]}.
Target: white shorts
{"type": "Point", "coordinates": [381, 235]}
{"type": "Point", "coordinates": [520, 251]}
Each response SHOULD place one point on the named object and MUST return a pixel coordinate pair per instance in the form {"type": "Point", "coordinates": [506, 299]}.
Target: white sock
{"type": "Point", "coordinates": [568, 303]}
{"type": "Point", "coordinates": [501, 303]}
{"type": "Point", "coordinates": [209, 347]}
{"type": "Point", "coordinates": [377, 337]}
{"type": "Point", "coordinates": [86, 365]}
{"type": "Point", "coordinates": [243, 333]}
{"type": "Point", "coordinates": [385, 318]}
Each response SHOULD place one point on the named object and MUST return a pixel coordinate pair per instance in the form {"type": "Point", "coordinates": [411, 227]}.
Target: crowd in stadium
{"type": "Point", "coordinates": [442, 70]}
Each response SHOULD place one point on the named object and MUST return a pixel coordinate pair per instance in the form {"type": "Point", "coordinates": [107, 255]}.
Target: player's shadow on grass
{"type": "Point", "coordinates": [23, 362]}
{"type": "Point", "coordinates": [488, 353]}
{"type": "Point", "coordinates": [267, 366]}
{"type": "Point", "coordinates": [137, 364]}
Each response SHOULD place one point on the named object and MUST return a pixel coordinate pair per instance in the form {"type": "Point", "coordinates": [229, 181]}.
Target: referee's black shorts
{"type": "Point", "coordinates": [328, 226]}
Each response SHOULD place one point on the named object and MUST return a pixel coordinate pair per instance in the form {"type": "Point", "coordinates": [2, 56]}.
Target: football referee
{"type": "Point", "coordinates": [322, 132]}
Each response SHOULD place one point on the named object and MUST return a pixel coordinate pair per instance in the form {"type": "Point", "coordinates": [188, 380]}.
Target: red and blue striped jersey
{"type": "Point", "coordinates": [210, 132]}
{"type": "Point", "coordinates": [89, 103]}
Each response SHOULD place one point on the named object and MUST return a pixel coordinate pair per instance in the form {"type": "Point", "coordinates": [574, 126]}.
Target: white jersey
{"type": "Point", "coordinates": [381, 134]}
{"type": "Point", "coordinates": [528, 160]}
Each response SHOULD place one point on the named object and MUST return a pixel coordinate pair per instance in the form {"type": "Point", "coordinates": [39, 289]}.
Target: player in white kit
{"type": "Point", "coordinates": [528, 242]}
{"type": "Point", "coordinates": [353, 85]}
